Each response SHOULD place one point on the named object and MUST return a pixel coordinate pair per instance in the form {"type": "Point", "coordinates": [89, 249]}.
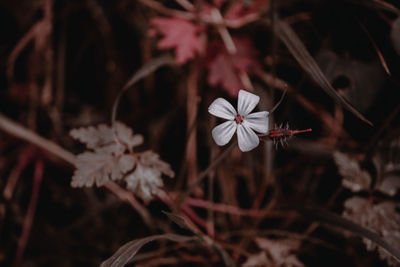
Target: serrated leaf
{"type": "Point", "coordinates": [127, 252]}
{"type": "Point", "coordinates": [104, 135]}
{"type": "Point", "coordinates": [91, 136]}
{"type": "Point", "coordinates": [125, 135]}
{"type": "Point", "coordinates": [107, 160]}
{"type": "Point", "coordinates": [354, 178]}
{"type": "Point", "coordinates": [122, 165]}
{"type": "Point", "coordinates": [99, 167]}
{"type": "Point", "coordinates": [152, 160]}
{"type": "Point", "coordinates": [144, 182]}
{"type": "Point", "coordinates": [307, 62]}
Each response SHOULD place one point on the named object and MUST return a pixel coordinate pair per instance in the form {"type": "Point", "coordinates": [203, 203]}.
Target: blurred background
{"type": "Point", "coordinates": [333, 66]}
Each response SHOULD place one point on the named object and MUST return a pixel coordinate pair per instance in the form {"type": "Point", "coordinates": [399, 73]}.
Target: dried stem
{"type": "Point", "coordinates": [24, 158]}
{"type": "Point", "coordinates": [223, 31]}
{"type": "Point", "coordinates": [19, 47]}
{"type": "Point", "coordinates": [21, 132]}
{"type": "Point", "coordinates": [186, 4]}
{"type": "Point", "coordinates": [378, 51]}
{"type": "Point", "coordinates": [330, 123]}
{"type": "Point", "coordinates": [230, 45]}
{"type": "Point", "coordinates": [194, 217]}
{"type": "Point", "coordinates": [210, 212]}
{"type": "Point", "coordinates": [223, 208]}
{"type": "Point", "coordinates": [205, 173]}
{"type": "Point", "coordinates": [191, 109]}
{"type": "Point", "coordinates": [279, 102]}
{"type": "Point", "coordinates": [167, 11]}
{"type": "Point", "coordinates": [140, 74]}
{"type": "Point", "coordinates": [128, 197]}
{"type": "Point", "coordinates": [47, 49]}
{"type": "Point", "coordinates": [23, 240]}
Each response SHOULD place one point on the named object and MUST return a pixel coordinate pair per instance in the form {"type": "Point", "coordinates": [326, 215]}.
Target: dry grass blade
{"type": "Point", "coordinates": [379, 5]}
{"type": "Point", "coordinates": [140, 74]}
{"type": "Point", "coordinates": [204, 173]}
{"type": "Point", "coordinates": [395, 35]}
{"type": "Point", "coordinates": [378, 51]}
{"type": "Point", "coordinates": [181, 222]}
{"type": "Point", "coordinates": [126, 253]}
{"type": "Point", "coordinates": [307, 62]}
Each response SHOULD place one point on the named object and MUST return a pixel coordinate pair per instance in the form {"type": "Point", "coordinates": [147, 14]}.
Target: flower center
{"type": "Point", "coordinates": [239, 119]}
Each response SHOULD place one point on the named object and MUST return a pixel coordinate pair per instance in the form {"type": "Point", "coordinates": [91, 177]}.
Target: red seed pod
{"type": "Point", "coordinates": [279, 134]}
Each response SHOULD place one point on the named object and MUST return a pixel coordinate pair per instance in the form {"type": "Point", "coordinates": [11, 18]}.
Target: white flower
{"type": "Point", "coordinates": [241, 121]}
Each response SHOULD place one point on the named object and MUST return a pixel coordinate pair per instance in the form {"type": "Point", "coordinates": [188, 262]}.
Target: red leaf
{"type": "Point", "coordinates": [223, 68]}
{"type": "Point", "coordinates": [181, 35]}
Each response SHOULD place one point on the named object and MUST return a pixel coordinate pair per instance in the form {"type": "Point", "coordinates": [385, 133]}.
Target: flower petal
{"type": "Point", "coordinates": [223, 133]}
{"type": "Point", "coordinates": [257, 121]}
{"type": "Point", "coordinates": [247, 102]}
{"type": "Point", "coordinates": [247, 139]}
{"type": "Point", "coordinates": [222, 109]}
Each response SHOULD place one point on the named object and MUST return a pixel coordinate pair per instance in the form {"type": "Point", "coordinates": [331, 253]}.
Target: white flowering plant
{"type": "Point", "coordinates": [241, 121]}
{"type": "Point", "coordinates": [143, 117]}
